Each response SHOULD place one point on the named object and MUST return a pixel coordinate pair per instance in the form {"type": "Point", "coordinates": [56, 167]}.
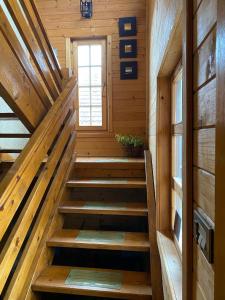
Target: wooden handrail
{"type": "Point", "coordinates": [29, 68]}
{"type": "Point", "coordinates": [31, 157]}
{"type": "Point", "coordinates": [52, 137]}
{"type": "Point", "coordinates": [37, 27]}
{"type": "Point", "coordinates": [156, 276]}
{"type": "Point", "coordinates": [27, 34]}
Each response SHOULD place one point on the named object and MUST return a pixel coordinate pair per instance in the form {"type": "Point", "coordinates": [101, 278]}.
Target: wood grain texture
{"type": "Point", "coordinates": [205, 98]}
{"type": "Point", "coordinates": [204, 20]}
{"type": "Point", "coordinates": [31, 42]}
{"type": "Point", "coordinates": [220, 162]}
{"type": "Point", "coordinates": [135, 285]}
{"type": "Point", "coordinates": [205, 61]}
{"type": "Point", "coordinates": [22, 275]}
{"type": "Point", "coordinates": [62, 21]}
{"type": "Point", "coordinates": [156, 274]}
{"type": "Point", "coordinates": [112, 208]}
{"type": "Point", "coordinates": [130, 242]}
{"type": "Point", "coordinates": [171, 267]}
{"type": "Point", "coordinates": [204, 149]}
{"type": "Point", "coordinates": [26, 167]}
{"type": "Point", "coordinates": [203, 274]}
{"type": "Point", "coordinates": [205, 106]}
{"type": "Point", "coordinates": [17, 89]}
{"type": "Point", "coordinates": [165, 16]}
{"type": "Point", "coordinates": [110, 183]}
{"type": "Point", "coordinates": [23, 58]}
{"type": "Point", "coordinates": [204, 191]}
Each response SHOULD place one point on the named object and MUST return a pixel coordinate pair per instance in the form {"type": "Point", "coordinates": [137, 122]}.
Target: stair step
{"type": "Point", "coordinates": [109, 162]}
{"type": "Point", "coordinates": [94, 282]}
{"type": "Point", "coordinates": [105, 240]}
{"type": "Point", "coordinates": [107, 183]}
{"type": "Point", "coordinates": [8, 116]}
{"type": "Point", "coordinates": [10, 150]}
{"type": "Point", "coordinates": [15, 135]}
{"type": "Point", "coordinates": [104, 208]}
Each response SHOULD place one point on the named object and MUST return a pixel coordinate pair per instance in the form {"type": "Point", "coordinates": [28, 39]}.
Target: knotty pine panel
{"type": "Point", "coordinates": [203, 276]}
{"type": "Point", "coordinates": [205, 61]}
{"type": "Point", "coordinates": [204, 20]}
{"type": "Point", "coordinates": [204, 191]}
{"type": "Point", "coordinates": [205, 106]}
{"type": "Point", "coordinates": [204, 134]}
{"type": "Point", "coordinates": [62, 19]}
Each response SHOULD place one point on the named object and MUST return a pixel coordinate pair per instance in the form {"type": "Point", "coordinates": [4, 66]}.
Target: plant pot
{"type": "Point", "coordinates": [134, 151]}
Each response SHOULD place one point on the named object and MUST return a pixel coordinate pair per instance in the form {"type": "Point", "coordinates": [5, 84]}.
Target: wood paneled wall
{"type": "Point", "coordinates": [204, 88]}
{"type": "Point", "coordinates": [163, 21]}
{"type": "Point", "coordinates": [164, 16]}
{"type": "Point", "coordinates": [62, 20]}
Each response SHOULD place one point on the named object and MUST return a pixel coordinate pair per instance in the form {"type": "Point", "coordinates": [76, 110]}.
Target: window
{"type": "Point", "coordinates": [177, 155]}
{"type": "Point", "coordinates": [90, 68]}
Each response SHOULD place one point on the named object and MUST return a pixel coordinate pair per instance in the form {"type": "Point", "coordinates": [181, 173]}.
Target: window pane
{"type": "Point", "coordinates": [84, 96]}
{"type": "Point", "coordinates": [84, 116]}
{"type": "Point", "coordinates": [178, 95]}
{"type": "Point", "coordinates": [177, 157]}
{"type": "Point", "coordinates": [96, 116]}
{"type": "Point", "coordinates": [96, 76]}
{"type": "Point", "coordinates": [84, 76]}
{"type": "Point", "coordinates": [96, 96]}
{"type": "Point", "coordinates": [177, 217]}
{"type": "Point", "coordinates": [83, 55]}
{"type": "Point", "coordinates": [96, 55]}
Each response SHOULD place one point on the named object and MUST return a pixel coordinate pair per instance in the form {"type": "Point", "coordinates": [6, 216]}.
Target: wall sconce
{"type": "Point", "coordinates": [86, 8]}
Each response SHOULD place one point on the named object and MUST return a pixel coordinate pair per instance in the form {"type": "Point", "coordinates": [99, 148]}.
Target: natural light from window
{"type": "Point", "coordinates": [90, 82]}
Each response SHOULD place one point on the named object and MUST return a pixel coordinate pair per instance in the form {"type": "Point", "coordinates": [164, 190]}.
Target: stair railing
{"type": "Point", "coordinates": [29, 67]}
{"type": "Point", "coordinates": [29, 191]}
{"type": "Point", "coordinates": [155, 265]}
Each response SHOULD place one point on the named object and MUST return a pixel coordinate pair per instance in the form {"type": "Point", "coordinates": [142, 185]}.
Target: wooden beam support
{"type": "Point", "coordinates": [187, 254]}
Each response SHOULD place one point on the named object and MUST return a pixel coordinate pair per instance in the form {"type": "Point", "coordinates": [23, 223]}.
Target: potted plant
{"type": "Point", "coordinates": [134, 146]}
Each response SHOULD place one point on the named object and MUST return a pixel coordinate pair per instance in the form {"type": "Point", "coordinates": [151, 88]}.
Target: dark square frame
{"type": "Point", "coordinates": [123, 44]}
{"type": "Point", "coordinates": [129, 20]}
{"type": "Point", "coordinates": [124, 75]}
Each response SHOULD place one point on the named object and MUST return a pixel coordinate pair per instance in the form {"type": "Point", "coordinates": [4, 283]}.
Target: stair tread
{"type": "Point", "coordinates": [93, 239]}
{"type": "Point", "coordinates": [109, 162]}
{"type": "Point", "coordinates": [8, 116]}
{"type": "Point", "coordinates": [15, 135]}
{"type": "Point", "coordinates": [108, 208]}
{"type": "Point", "coordinates": [110, 183]}
{"type": "Point", "coordinates": [133, 285]}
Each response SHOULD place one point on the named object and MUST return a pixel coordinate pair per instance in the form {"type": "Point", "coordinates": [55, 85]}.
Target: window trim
{"type": "Point", "coordinates": [177, 130]}
{"type": "Point", "coordinates": [103, 42]}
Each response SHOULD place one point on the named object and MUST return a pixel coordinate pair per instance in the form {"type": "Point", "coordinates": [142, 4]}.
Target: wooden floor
{"type": "Point", "coordinates": [95, 227]}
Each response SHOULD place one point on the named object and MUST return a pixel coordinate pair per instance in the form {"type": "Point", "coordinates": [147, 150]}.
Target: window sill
{"type": "Point", "coordinates": [94, 134]}
{"type": "Point", "coordinates": [171, 267]}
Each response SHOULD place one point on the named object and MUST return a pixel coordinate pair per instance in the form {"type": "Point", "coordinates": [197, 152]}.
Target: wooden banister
{"type": "Point", "coordinates": [156, 276]}
{"type": "Point", "coordinates": [28, 163]}
{"type": "Point", "coordinates": [37, 27]}
{"type": "Point", "coordinates": [54, 138]}
{"type": "Point", "coordinates": [19, 52]}
{"type": "Point", "coordinates": [31, 43]}
{"type": "Point", "coordinates": [30, 75]}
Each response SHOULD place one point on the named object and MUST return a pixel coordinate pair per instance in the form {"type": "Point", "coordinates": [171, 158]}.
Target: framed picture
{"type": "Point", "coordinates": [128, 48]}
{"type": "Point", "coordinates": [128, 26]}
{"type": "Point", "coordinates": [128, 70]}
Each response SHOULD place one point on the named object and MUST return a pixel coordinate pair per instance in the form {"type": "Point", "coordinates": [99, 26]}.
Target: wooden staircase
{"type": "Point", "coordinates": [102, 248]}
